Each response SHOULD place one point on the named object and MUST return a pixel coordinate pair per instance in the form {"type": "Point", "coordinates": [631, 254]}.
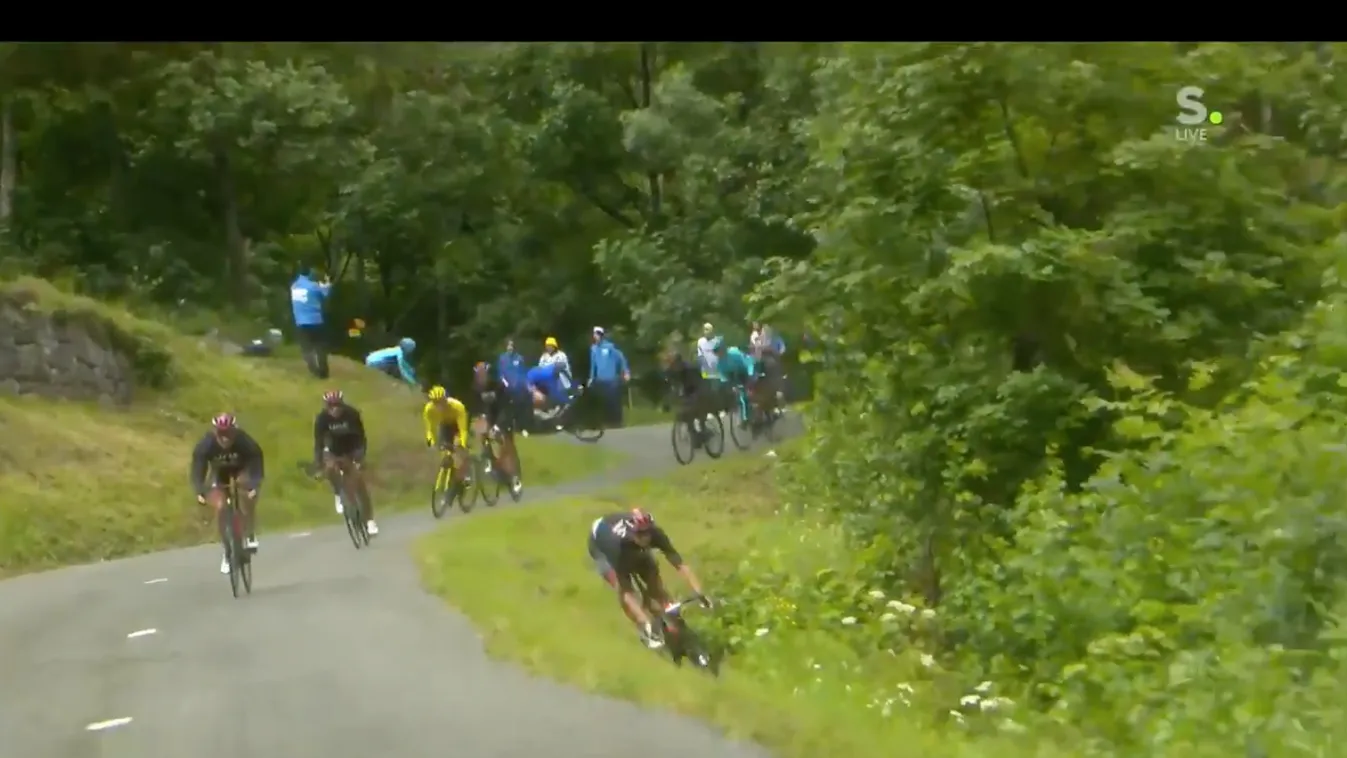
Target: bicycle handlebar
{"type": "Point", "coordinates": [676, 608]}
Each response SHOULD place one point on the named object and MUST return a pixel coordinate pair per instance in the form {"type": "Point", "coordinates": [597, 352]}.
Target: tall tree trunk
{"type": "Point", "coordinates": [236, 248]}
{"type": "Point", "coordinates": [8, 165]}
{"type": "Point", "coordinates": [647, 83]}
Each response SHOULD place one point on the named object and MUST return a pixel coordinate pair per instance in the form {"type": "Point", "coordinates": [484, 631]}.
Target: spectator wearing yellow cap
{"type": "Point", "coordinates": [552, 354]}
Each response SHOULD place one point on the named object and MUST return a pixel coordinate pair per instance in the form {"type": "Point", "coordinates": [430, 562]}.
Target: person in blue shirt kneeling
{"type": "Point", "coordinates": [396, 361]}
{"type": "Point", "coordinates": [551, 388]}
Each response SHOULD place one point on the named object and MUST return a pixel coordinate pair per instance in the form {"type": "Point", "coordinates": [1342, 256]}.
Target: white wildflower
{"type": "Point", "coordinates": [1011, 726]}
{"type": "Point", "coordinates": [818, 666]}
{"type": "Point", "coordinates": [995, 703]}
{"type": "Point", "coordinates": [888, 618]}
{"type": "Point", "coordinates": [983, 688]}
{"type": "Point", "coordinates": [762, 632]}
{"type": "Point", "coordinates": [956, 716]}
{"type": "Point", "coordinates": [906, 688]}
{"type": "Point", "coordinates": [877, 594]}
{"type": "Point", "coordinates": [849, 621]}
{"type": "Point", "coordinates": [968, 701]}
{"type": "Point", "coordinates": [901, 607]}
{"type": "Point", "coordinates": [927, 660]}
{"type": "Point", "coordinates": [927, 613]}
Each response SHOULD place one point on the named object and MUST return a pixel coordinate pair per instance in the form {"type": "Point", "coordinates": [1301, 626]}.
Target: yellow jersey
{"type": "Point", "coordinates": [452, 413]}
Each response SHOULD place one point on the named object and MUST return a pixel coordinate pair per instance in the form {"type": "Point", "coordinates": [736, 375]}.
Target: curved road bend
{"type": "Point", "coordinates": [336, 654]}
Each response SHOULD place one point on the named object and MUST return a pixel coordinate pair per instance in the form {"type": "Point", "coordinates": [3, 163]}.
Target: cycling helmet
{"type": "Point", "coordinates": [436, 393]}
{"type": "Point", "coordinates": [224, 422]}
{"type": "Point", "coordinates": [550, 342]}
{"type": "Point", "coordinates": [640, 520]}
{"type": "Point", "coordinates": [332, 397]}
{"type": "Point", "coordinates": [407, 344]}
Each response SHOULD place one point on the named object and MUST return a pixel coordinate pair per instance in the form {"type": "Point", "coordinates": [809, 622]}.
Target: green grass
{"type": "Point", "coordinates": [82, 482]}
{"type": "Point", "coordinates": [524, 579]}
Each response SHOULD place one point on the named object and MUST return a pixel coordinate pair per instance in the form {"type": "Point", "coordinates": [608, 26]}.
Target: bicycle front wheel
{"type": "Point", "coordinates": [441, 494]}
{"type": "Point", "coordinates": [684, 445]}
{"type": "Point", "coordinates": [739, 422]}
{"type": "Point", "coordinates": [715, 435]}
{"type": "Point", "coordinates": [488, 479]}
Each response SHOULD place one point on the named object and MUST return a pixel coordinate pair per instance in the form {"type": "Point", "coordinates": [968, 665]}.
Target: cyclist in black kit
{"type": "Point", "coordinates": [228, 453]}
{"type": "Point", "coordinates": [492, 400]}
{"type": "Point", "coordinates": [339, 445]}
{"type": "Point", "coordinates": [693, 396]}
{"type": "Point", "coordinates": [620, 545]}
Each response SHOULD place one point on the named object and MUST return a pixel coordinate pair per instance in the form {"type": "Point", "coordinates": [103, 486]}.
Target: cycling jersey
{"type": "Point", "coordinates": [737, 367]}
{"type": "Point", "coordinates": [241, 459]}
{"type": "Point", "coordinates": [451, 414]}
{"type": "Point", "coordinates": [342, 433]}
{"type": "Point", "coordinates": [613, 548]}
{"type": "Point", "coordinates": [393, 362]}
{"type": "Point", "coordinates": [493, 401]}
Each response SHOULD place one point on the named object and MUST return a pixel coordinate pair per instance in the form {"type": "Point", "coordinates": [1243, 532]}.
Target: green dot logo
{"type": "Point", "coordinates": [1215, 117]}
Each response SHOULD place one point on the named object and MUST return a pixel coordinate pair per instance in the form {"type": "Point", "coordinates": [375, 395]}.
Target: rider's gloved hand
{"type": "Point", "coordinates": [705, 601]}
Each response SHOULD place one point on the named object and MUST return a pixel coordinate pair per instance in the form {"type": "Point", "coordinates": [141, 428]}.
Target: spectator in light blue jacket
{"type": "Point", "coordinates": [607, 370]}
{"type": "Point", "coordinates": [307, 297]}
{"type": "Point", "coordinates": [396, 361]}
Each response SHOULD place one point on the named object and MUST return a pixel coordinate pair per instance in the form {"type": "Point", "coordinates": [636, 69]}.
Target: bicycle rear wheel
{"type": "Point", "coordinates": [579, 423]}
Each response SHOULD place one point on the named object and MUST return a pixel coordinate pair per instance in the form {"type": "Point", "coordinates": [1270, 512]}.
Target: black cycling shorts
{"type": "Point", "coordinates": [221, 479]}
{"type": "Point", "coordinates": [446, 435]}
{"type": "Point", "coordinates": [640, 564]}
{"type": "Point", "coordinates": [341, 448]}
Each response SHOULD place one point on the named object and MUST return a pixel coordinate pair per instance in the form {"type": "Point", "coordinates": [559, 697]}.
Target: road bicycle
{"type": "Point", "coordinates": [233, 533]}
{"type": "Point", "coordinates": [681, 642]}
{"type": "Point", "coordinates": [454, 485]}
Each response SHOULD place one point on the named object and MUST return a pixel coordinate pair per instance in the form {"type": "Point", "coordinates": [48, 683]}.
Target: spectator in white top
{"type": "Point", "coordinates": [706, 351]}
{"type": "Point", "coordinates": [756, 340]}
{"type": "Point", "coordinates": [551, 354]}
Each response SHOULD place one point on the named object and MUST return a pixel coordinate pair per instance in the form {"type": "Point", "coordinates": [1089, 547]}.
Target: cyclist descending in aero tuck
{"type": "Point", "coordinates": [620, 545]}
{"type": "Point", "coordinates": [228, 453]}
{"type": "Point", "coordinates": [339, 433]}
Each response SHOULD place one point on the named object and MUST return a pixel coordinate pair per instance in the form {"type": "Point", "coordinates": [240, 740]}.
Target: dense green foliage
{"type": "Point", "coordinates": [1080, 396]}
{"type": "Point", "coordinates": [1083, 403]}
{"type": "Point", "coordinates": [456, 193]}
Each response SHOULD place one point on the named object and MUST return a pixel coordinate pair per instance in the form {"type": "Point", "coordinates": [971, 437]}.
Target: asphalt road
{"type": "Point", "coordinates": [336, 654]}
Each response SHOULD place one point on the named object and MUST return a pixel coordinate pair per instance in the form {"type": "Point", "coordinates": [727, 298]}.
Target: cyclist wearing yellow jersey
{"type": "Point", "coordinates": [446, 423]}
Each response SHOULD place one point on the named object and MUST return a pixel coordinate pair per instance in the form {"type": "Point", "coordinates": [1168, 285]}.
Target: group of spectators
{"type": "Point", "coordinates": [608, 371]}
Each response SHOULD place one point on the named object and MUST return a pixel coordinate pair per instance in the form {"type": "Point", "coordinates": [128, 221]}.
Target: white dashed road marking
{"type": "Point", "coordinates": [297, 535]}
{"type": "Point", "coordinates": [141, 633]}
{"type": "Point", "coordinates": [99, 726]}
{"type": "Point", "coordinates": [156, 581]}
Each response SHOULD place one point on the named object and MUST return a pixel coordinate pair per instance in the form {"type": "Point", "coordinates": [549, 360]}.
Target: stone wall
{"type": "Point", "coordinates": [60, 355]}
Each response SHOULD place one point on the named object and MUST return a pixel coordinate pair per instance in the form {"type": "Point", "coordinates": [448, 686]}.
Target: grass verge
{"type": "Point", "coordinates": [82, 482]}
{"type": "Point", "coordinates": [802, 694]}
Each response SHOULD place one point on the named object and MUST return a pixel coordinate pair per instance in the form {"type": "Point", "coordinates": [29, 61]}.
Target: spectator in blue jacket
{"type": "Point", "coordinates": [307, 297]}
{"type": "Point", "coordinates": [513, 370]}
{"type": "Point", "coordinates": [607, 370]}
